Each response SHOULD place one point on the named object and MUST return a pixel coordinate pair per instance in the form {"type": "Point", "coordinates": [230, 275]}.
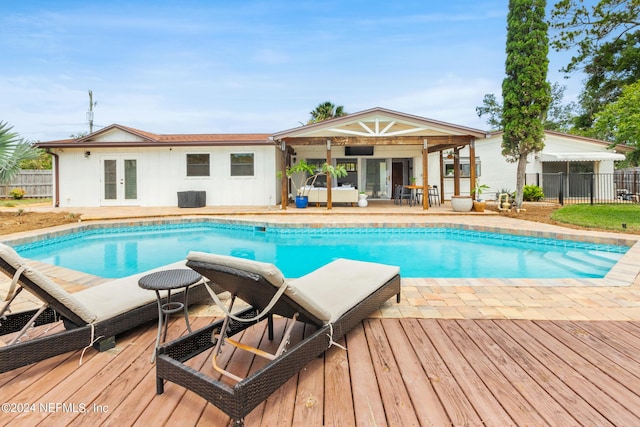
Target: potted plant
{"type": "Point", "coordinates": [303, 176]}
{"type": "Point", "coordinates": [478, 203]}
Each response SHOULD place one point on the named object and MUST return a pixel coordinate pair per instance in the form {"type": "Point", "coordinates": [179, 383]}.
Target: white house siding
{"type": "Point", "coordinates": [500, 175]}
{"type": "Point", "coordinates": [162, 173]}
{"type": "Point", "coordinates": [161, 168]}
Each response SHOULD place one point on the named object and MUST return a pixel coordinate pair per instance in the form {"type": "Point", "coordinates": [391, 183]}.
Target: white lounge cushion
{"type": "Point", "coordinates": [56, 291]}
{"type": "Point", "coordinates": [97, 303]}
{"type": "Point", "coordinates": [342, 284]}
{"type": "Point", "coordinates": [327, 293]}
{"type": "Point", "coordinates": [267, 270]}
{"type": "Point", "coordinates": [119, 296]}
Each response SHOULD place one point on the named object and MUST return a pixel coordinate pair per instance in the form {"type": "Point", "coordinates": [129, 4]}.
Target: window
{"type": "Point", "coordinates": [242, 164]}
{"type": "Point", "coordinates": [465, 167]}
{"type": "Point", "coordinates": [352, 172]}
{"type": "Point", "coordinates": [198, 165]}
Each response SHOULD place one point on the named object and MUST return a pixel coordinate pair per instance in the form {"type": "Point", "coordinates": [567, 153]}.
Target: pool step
{"type": "Point", "coordinates": [580, 265]}
{"type": "Point", "coordinates": [600, 259]}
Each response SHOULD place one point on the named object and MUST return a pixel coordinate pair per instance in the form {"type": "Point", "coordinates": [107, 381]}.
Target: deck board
{"type": "Point", "coordinates": [309, 404]}
{"type": "Point", "coordinates": [505, 392]}
{"type": "Point", "coordinates": [394, 372]}
{"type": "Point", "coordinates": [450, 393]}
{"type": "Point", "coordinates": [398, 406]}
{"type": "Point", "coordinates": [479, 395]}
{"type": "Point", "coordinates": [539, 400]}
{"type": "Point", "coordinates": [556, 376]}
{"type": "Point", "coordinates": [367, 403]}
{"type": "Point", "coordinates": [338, 405]}
{"type": "Point", "coordinates": [425, 400]}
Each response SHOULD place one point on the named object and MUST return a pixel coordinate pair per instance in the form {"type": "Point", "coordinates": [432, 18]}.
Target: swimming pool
{"type": "Point", "coordinates": [419, 251]}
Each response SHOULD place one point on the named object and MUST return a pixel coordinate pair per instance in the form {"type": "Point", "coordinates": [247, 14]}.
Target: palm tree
{"type": "Point", "coordinates": [13, 150]}
{"type": "Point", "coordinates": [326, 111]}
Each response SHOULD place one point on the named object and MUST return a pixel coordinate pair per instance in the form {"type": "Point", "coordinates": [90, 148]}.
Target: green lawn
{"type": "Point", "coordinates": [608, 217]}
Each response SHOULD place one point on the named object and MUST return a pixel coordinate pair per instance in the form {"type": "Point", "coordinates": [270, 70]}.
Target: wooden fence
{"type": "Point", "coordinates": [35, 183]}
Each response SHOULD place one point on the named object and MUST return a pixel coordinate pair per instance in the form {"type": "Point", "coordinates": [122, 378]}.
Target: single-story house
{"type": "Point", "coordinates": [380, 148]}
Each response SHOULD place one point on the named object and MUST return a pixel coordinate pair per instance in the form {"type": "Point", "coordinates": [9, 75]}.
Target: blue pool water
{"type": "Point", "coordinates": [420, 252]}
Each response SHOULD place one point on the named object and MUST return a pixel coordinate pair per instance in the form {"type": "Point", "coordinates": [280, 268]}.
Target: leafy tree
{"type": "Point", "coordinates": [525, 90]}
{"type": "Point", "coordinates": [13, 150]}
{"type": "Point", "coordinates": [619, 121]}
{"type": "Point", "coordinates": [559, 117]}
{"type": "Point", "coordinates": [326, 111]}
{"type": "Point", "coordinates": [492, 108]}
{"type": "Point", "coordinates": [606, 40]}
{"type": "Point", "coordinates": [42, 162]}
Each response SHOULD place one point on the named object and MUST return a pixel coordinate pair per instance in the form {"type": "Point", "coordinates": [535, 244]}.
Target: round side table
{"type": "Point", "coordinates": [168, 280]}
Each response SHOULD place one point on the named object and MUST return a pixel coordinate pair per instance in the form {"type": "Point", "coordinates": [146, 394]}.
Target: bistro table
{"type": "Point", "coordinates": [415, 195]}
{"type": "Point", "coordinates": [168, 280]}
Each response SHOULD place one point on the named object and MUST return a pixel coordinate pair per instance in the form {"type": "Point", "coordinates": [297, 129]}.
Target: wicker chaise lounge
{"type": "Point", "coordinates": [93, 316]}
{"type": "Point", "coordinates": [333, 298]}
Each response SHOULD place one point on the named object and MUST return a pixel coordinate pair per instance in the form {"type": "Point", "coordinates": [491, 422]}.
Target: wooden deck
{"type": "Point", "coordinates": [400, 372]}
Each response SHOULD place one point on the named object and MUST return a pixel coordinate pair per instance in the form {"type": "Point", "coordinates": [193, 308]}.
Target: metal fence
{"type": "Point", "coordinates": [35, 183]}
{"type": "Point", "coordinates": [617, 187]}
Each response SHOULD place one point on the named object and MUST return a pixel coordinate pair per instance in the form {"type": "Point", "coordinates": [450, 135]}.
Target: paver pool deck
{"type": "Point", "coordinates": [616, 297]}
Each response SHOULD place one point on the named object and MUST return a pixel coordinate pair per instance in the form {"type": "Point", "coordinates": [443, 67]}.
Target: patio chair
{"type": "Point", "coordinates": [91, 317]}
{"type": "Point", "coordinates": [434, 196]}
{"type": "Point", "coordinates": [333, 298]}
{"type": "Point", "coordinates": [401, 194]}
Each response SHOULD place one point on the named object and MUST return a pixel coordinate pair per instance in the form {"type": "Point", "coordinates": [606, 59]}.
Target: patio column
{"type": "Point", "coordinates": [472, 167]}
{"type": "Point", "coordinates": [329, 184]}
{"type": "Point", "coordinates": [284, 181]}
{"type": "Point", "coordinates": [456, 171]}
{"type": "Point", "coordinates": [441, 176]}
{"type": "Point", "coordinates": [425, 174]}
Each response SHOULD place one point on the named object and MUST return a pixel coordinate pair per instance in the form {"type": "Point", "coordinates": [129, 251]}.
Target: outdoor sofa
{"type": "Point", "coordinates": [318, 195]}
{"type": "Point", "coordinates": [333, 298]}
{"type": "Point", "coordinates": [91, 317]}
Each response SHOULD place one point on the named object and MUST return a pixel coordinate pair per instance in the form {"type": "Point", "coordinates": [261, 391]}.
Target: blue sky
{"type": "Point", "coordinates": [199, 66]}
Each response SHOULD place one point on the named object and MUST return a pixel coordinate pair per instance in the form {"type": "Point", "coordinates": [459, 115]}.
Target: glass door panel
{"type": "Point", "coordinates": [110, 180]}
{"type": "Point", "coordinates": [376, 179]}
{"type": "Point", "coordinates": [120, 181]}
{"type": "Point", "coordinates": [130, 179]}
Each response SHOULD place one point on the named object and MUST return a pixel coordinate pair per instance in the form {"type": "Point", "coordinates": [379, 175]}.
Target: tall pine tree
{"type": "Point", "coordinates": [526, 93]}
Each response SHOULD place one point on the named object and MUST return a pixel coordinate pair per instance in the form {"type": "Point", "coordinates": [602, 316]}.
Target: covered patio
{"type": "Point", "coordinates": [381, 149]}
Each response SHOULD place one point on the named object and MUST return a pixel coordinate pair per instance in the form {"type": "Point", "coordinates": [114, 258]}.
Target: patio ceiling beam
{"type": "Point", "coordinates": [436, 143]}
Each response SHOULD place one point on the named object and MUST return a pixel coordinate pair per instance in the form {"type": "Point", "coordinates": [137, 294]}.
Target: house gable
{"type": "Point", "coordinates": [378, 123]}
{"type": "Point", "coordinates": [116, 134]}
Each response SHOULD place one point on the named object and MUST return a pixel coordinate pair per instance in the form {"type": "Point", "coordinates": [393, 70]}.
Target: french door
{"type": "Point", "coordinates": [119, 180]}
{"type": "Point", "coordinates": [376, 178]}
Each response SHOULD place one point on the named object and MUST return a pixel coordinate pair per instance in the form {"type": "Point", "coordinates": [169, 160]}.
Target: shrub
{"type": "Point", "coordinates": [17, 193]}
{"type": "Point", "coordinates": [532, 193]}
